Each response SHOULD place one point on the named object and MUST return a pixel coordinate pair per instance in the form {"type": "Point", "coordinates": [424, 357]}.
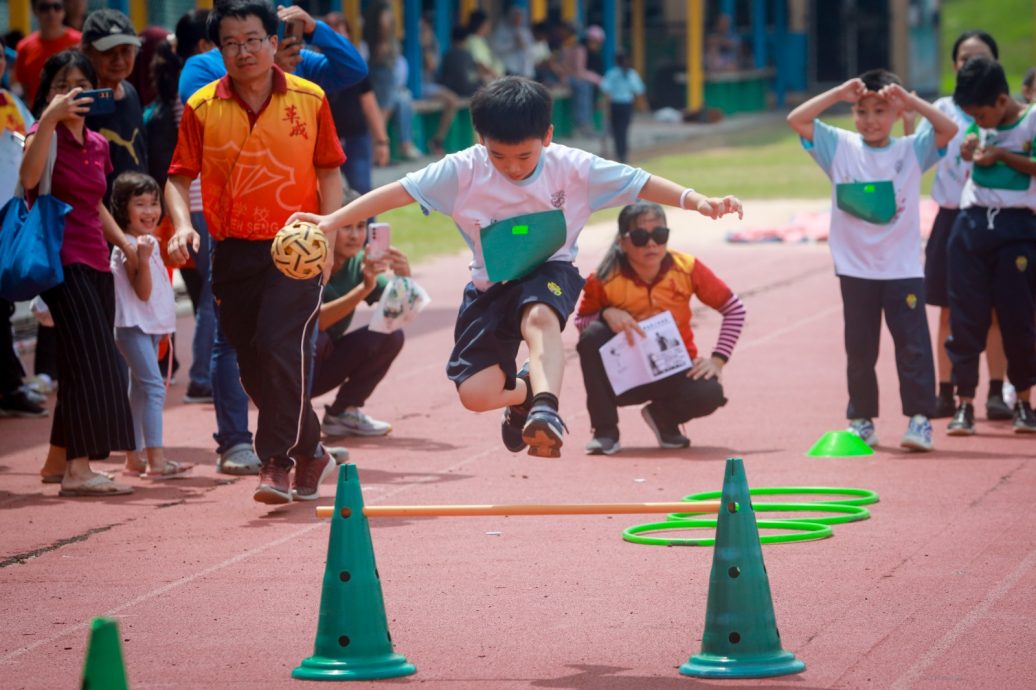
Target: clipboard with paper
{"type": "Point", "coordinates": [514, 247]}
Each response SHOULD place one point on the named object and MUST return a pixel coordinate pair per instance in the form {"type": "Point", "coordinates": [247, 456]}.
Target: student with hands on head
{"type": "Point", "coordinates": [875, 239]}
{"type": "Point", "coordinates": [516, 183]}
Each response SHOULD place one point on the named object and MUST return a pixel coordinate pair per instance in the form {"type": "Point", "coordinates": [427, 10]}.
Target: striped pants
{"type": "Point", "coordinates": [92, 416]}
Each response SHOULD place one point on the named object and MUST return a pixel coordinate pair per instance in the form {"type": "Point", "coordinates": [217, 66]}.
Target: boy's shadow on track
{"type": "Point", "coordinates": [590, 677]}
{"type": "Point", "coordinates": [691, 453]}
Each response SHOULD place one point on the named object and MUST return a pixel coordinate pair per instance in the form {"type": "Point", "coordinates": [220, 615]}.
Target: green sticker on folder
{"type": "Point", "coordinates": [514, 247]}
{"type": "Point", "coordinates": [874, 202]}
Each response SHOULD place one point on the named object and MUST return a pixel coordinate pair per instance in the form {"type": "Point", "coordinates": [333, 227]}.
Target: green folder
{"type": "Point", "coordinates": [514, 247]}
{"type": "Point", "coordinates": [999, 175]}
{"type": "Point", "coordinates": [874, 202]}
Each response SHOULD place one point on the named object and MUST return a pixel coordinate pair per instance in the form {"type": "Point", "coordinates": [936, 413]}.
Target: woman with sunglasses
{"type": "Point", "coordinates": [640, 278]}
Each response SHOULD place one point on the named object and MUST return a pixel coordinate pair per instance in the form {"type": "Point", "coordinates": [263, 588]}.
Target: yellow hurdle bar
{"type": "Point", "coordinates": [504, 509]}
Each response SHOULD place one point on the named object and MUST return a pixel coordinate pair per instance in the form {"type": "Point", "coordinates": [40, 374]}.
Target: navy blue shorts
{"type": "Point", "coordinates": [936, 285]}
{"type": "Point", "coordinates": [488, 331]}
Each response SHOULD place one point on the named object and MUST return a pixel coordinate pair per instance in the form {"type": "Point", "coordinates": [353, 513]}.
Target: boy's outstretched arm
{"type": "Point", "coordinates": [801, 119]}
{"type": "Point", "coordinates": [945, 128]}
{"type": "Point", "coordinates": [668, 193]}
{"type": "Point", "coordinates": [374, 202]}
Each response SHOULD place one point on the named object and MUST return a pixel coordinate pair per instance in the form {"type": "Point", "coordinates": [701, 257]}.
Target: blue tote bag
{"type": "Point", "coordinates": [30, 239]}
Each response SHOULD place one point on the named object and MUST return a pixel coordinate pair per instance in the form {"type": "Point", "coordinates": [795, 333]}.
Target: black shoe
{"type": "Point", "coordinates": [542, 432]}
{"type": "Point", "coordinates": [514, 418]}
{"type": "Point", "coordinates": [668, 435]}
{"type": "Point", "coordinates": [197, 394]}
{"type": "Point", "coordinates": [963, 422]}
{"type": "Point", "coordinates": [1024, 418]}
{"type": "Point", "coordinates": [944, 408]}
{"type": "Point", "coordinates": [17, 404]}
{"type": "Point", "coordinates": [604, 442]}
{"type": "Point", "coordinates": [997, 409]}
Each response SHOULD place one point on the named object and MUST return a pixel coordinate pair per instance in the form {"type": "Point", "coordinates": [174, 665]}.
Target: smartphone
{"type": "Point", "coordinates": [288, 30]}
{"type": "Point", "coordinates": [377, 240]}
{"type": "Point", "coordinates": [103, 103]}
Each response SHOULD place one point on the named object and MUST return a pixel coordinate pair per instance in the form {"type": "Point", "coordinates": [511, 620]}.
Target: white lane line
{"type": "Point", "coordinates": [914, 673]}
{"type": "Point", "coordinates": [790, 327]}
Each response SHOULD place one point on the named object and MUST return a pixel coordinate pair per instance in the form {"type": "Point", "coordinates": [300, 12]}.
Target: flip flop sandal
{"type": "Point", "coordinates": [99, 485]}
{"type": "Point", "coordinates": [171, 470]}
{"type": "Point", "coordinates": [57, 478]}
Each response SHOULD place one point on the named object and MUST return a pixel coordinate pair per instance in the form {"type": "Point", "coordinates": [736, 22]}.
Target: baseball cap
{"type": "Point", "coordinates": [105, 29]}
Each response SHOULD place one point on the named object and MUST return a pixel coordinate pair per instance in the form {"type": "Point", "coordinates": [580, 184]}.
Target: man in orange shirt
{"type": "Point", "coordinates": [34, 49]}
{"type": "Point", "coordinates": [265, 146]}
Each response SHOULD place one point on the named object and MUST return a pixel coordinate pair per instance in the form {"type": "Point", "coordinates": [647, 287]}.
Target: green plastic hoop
{"type": "Point", "coordinates": [847, 513]}
{"type": "Point", "coordinates": [801, 531]}
{"type": "Point", "coordinates": [862, 497]}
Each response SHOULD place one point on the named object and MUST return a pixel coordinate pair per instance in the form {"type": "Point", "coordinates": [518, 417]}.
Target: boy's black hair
{"type": "Point", "coordinates": [1030, 77]}
{"type": "Point", "coordinates": [980, 82]}
{"type": "Point", "coordinates": [126, 186]}
{"type": "Point", "coordinates": [877, 79]}
{"type": "Point", "coordinates": [511, 110]}
{"type": "Point", "coordinates": [980, 35]}
{"type": "Point", "coordinates": [475, 21]}
{"type": "Point", "coordinates": [241, 9]}
{"type": "Point", "coordinates": [459, 34]}
{"type": "Point", "coordinates": [191, 28]}
{"type": "Point", "coordinates": [55, 65]}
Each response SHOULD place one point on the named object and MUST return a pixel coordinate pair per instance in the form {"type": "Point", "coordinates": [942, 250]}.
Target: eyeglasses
{"type": "Point", "coordinates": [640, 238]}
{"type": "Point", "coordinates": [49, 7]}
{"type": "Point", "coordinates": [251, 45]}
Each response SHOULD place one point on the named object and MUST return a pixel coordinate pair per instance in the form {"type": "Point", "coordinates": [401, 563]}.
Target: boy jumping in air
{"type": "Point", "coordinates": [520, 202]}
{"type": "Point", "coordinates": [875, 239]}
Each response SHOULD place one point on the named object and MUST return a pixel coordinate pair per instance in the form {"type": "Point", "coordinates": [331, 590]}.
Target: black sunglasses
{"type": "Point", "coordinates": [49, 7]}
{"type": "Point", "coordinates": [640, 238]}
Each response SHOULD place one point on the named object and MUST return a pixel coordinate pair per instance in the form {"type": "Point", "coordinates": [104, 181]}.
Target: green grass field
{"type": "Point", "coordinates": [1010, 22]}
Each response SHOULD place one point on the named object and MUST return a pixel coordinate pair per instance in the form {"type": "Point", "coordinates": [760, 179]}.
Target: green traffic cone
{"type": "Point", "coordinates": [741, 638]}
{"type": "Point", "coordinates": [353, 641]}
{"type": "Point", "coordinates": [839, 444]}
{"type": "Point", "coordinates": [103, 669]}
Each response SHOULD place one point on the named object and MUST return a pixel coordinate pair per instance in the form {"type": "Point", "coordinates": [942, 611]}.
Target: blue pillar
{"type": "Point", "coordinates": [728, 8]}
{"type": "Point", "coordinates": [611, 24]}
{"type": "Point", "coordinates": [444, 13]}
{"type": "Point", "coordinates": [759, 33]}
{"type": "Point", "coordinates": [412, 44]}
{"type": "Point", "coordinates": [780, 40]}
{"type": "Point", "coordinates": [524, 4]}
{"type": "Point", "coordinates": [334, 6]}
{"type": "Point", "coordinates": [120, 5]}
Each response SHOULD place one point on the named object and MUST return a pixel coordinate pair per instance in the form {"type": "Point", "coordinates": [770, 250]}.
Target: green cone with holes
{"type": "Point", "coordinates": [741, 638]}
{"type": "Point", "coordinates": [104, 667]}
{"type": "Point", "coordinates": [353, 641]}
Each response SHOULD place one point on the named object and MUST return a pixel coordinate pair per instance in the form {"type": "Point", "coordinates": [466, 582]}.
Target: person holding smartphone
{"type": "Point", "coordinates": [355, 362]}
{"type": "Point", "coordinates": [111, 43]}
{"type": "Point", "coordinates": [92, 417]}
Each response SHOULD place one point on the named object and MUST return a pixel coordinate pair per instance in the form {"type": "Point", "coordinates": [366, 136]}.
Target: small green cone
{"type": "Point", "coordinates": [353, 641]}
{"type": "Point", "coordinates": [103, 669]}
{"type": "Point", "coordinates": [741, 638]}
{"type": "Point", "coordinates": [839, 444]}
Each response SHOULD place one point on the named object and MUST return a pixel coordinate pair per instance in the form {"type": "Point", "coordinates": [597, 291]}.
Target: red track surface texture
{"type": "Point", "coordinates": [211, 590]}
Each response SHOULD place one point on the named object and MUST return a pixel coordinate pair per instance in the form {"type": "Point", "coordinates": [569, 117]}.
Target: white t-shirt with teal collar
{"type": "Point", "coordinates": [466, 187]}
{"type": "Point", "coordinates": [952, 171]}
{"type": "Point", "coordinates": [883, 184]}
{"type": "Point", "coordinates": [999, 185]}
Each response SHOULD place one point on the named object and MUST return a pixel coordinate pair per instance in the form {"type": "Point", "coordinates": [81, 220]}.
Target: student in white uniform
{"type": "Point", "coordinates": [875, 239]}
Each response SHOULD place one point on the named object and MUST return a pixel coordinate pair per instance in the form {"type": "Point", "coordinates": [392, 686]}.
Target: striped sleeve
{"type": "Point", "coordinates": [733, 312]}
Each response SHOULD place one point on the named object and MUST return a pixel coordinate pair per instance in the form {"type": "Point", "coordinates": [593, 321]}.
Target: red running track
{"type": "Point", "coordinates": [211, 590]}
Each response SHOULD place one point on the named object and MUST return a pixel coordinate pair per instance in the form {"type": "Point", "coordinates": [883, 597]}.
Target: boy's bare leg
{"type": "Point", "coordinates": [943, 366]}
{"type": "Point", "coordinates": [542, 333]}
{"type": "Point", "coordinates": [485, 391]}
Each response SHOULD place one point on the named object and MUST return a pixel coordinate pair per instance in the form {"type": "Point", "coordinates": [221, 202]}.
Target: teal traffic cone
{"type": "Point", "coordinates": [741, 638]}
{"type": "Point", "coordinates": [839, 444]}
{"type": "Point", "coordinates": [353, 641]}
{"type": "Point", "coordinates": [104, 669]}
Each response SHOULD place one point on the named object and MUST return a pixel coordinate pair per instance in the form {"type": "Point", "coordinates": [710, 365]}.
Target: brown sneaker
{"type": "Point", "coordinates": [309, 473]}
{"type": "Point", "coordinates": [274, 486]}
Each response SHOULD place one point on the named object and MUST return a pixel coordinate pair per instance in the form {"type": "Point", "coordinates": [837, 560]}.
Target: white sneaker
{"type": "Point", "coordinates": [353, 422]}
{"type": "Point", "coordinates": [918, 435]}
{"type": "Point", "coordinates": [864, 428]}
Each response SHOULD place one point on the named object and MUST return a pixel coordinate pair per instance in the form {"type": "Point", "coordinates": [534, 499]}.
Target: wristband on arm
{"type": "Point", "coordinates": [683, 197]}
